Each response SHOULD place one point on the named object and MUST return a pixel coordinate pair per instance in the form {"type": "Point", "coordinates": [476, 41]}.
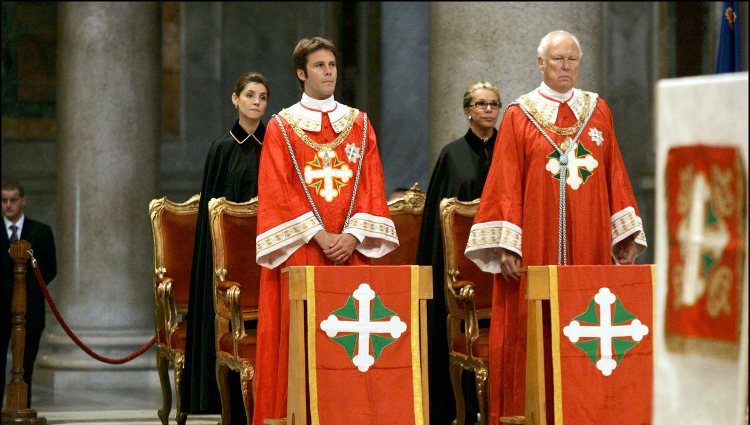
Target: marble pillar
{"type": "Point", "coordinates": [405, 96]}
{"type": "Point", "coordinates": [497, 41]}
{"type": "Point", "coordinates": [108, 142]}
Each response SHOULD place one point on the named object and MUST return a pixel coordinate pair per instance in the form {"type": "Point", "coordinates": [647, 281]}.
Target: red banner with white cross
{"type": "Point", "coordinates": [706, 219]}
{"type": "Point", "coordinates": [602, 344]}
{"type": "Point", "coordinates": [363, 346]}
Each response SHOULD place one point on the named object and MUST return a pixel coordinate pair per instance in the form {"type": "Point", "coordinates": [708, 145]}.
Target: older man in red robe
{"type": "Point", "coordinates": [557, 193]}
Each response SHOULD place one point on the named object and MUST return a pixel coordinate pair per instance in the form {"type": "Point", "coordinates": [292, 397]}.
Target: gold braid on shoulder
{"type": "Point", "coordinates": [312, 143]}
{"type": "Point", "coordinates": [540, 116]}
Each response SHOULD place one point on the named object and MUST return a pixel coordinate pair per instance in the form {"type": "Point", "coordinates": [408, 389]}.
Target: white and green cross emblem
{"type": "Point", "coordinates": [363, 327]}
{"type": "Point", "coordinates": [607, 332]}
{"type": "Point", "coordinates": [581, 165]}
{"type": "Point", "coordinates": [703, 236]}
{"type": "Point", "coordinates": [327, 175]}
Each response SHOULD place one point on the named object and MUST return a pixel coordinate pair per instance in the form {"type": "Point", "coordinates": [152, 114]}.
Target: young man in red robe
{"type": "Point", "coordinates": [321, 201]}
{"type": "Point", "coordinates": [557, 193]}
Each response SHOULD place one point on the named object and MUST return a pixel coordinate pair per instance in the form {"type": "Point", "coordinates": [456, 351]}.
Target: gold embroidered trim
{"type": "Point", "coordinates": [294, 123]}
{"type": "Point", "coordinates": [372, 226]}
{"type": "Point", "coordinates": [291, 232]}
{"type": "Point", "coordinates": [544, 113]}
{"type": "Point", "coordinates": [624, 222]}
{"type": "Point", "coordinates": [494, 236]}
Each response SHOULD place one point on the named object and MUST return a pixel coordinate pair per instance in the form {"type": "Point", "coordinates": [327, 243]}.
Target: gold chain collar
{"type": "Point", "coordinates": [312, 143]}
{"type": "Point", "coordinates": [530, 106]}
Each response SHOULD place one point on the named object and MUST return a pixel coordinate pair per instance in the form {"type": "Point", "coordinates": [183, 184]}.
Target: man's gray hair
{"type": "Point", "coordinates": [544, 44]}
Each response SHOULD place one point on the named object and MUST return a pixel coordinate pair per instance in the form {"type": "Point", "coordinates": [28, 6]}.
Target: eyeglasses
{"type": "Point", "coordinates": [483, 105]}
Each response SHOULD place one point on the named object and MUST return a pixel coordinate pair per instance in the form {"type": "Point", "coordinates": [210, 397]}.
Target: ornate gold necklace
{"type": "Point", "coordinates": [589, 104]}
{"type": "Point", "coordinates": [561, 131]}
{"type": "Point", "coordinates": [328, 146]}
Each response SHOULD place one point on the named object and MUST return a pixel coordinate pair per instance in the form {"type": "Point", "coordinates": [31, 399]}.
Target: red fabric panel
{"type": "Point", "coordinates": [588, 396]}
{"type": "Point", "coordinates": [715, 314]}
{"type": "Point", "coordinates": [178, 233]}
{"type": "Point", "coordinates": [383, 394]}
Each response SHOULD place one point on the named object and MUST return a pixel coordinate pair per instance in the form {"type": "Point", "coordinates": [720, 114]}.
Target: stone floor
{"type": "Point", "coordinates": [102, 406]}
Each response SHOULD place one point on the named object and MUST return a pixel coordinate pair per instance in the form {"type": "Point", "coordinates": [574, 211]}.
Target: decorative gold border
{"type": "Point", "coordinates": [155, 209]}
{"type": "Point", "coordinates": [554, 306]}
{"type": "Point", "coordinates": [416, 366]}
{"type": "Point", "coordinates": [542, 112]}
{"type": "Point", "coordinates": [320, 147]}
{"type": "Point", "coordinates": [368, 226]}
{"type": "Point", "coordinates": [290, 230]}
{"type": "Point", "coordinates": [312, 359]}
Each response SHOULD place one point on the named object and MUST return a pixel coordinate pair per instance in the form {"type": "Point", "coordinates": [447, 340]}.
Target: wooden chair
{"type": "Point", "coordinates": [236, 295]}
{"type": "Point", "coordinates": [173, 231]}
{"type": "Point", "coordinates": [406, 213]}
{"type": "Point", "coordinates": [468, 299]}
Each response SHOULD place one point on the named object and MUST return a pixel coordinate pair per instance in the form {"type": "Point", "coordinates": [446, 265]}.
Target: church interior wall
{"type": "Point", "coordinates": [395, 65]}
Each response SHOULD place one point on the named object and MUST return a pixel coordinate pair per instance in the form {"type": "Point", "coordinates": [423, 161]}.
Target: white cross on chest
{"type": "Point", "coordinates": [328, 173]}
{"type": "Point", "coordinates": [364, 327]}
{"type": "Point", "coordinates": [695, 239]}
{"type": "Point", "coordinates": [605, 331]}
{"type": "Point", "coordinates": [574, 179]}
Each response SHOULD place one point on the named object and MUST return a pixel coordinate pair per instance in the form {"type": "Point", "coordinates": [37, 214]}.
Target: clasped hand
{"type": "Point", "coordinates": [338, 247]}
{"type": "Point", "coordinates": [510, 263]}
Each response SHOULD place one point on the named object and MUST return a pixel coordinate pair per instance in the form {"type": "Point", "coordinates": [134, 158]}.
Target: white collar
{"type": "Point", "coordinates": [324, 105]}
{"type": "Point", "coordinates": [18, 223]}
{"type": "Point", "coordinates": [547, 107]}
{"type": "Point", "coordinates": [308, 113]}
{"type": "Point", "coordinates": [562, 97]}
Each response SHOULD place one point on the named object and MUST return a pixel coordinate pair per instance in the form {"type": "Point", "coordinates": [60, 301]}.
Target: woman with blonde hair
{"type": "Point", "coordinates": [460, 172]}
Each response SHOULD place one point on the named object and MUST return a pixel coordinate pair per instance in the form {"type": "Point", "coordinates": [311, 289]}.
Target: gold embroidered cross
{"type": "Point", "coordinates": [331, 175]}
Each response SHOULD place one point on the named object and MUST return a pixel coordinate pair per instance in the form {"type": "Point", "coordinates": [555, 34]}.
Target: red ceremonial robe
{"type": "Point", "coordinates": [287, 223]}
{"type": "Point", "coordinates": [519, 205]}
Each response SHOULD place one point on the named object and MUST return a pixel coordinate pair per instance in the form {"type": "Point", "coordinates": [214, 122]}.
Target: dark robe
{"type": "Point", "coordinates": [460, 172]}
{"type": "Point", "coordinates": [231, 171]}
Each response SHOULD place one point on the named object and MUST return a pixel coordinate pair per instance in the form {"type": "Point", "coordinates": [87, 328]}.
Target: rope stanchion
{"type": "Point", "coordinates": [70, 332]}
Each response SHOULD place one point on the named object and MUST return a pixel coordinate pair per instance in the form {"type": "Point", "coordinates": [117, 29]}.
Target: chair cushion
{"type": "Point", "coordinates": [246, 346]}
{"type": "Point", "coordinates": [480, 348]}
{"type": "Point", "coordinates": [179, 337]}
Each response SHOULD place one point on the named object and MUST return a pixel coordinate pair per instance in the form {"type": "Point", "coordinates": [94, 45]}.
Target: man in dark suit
{"type": "Point", "coordinates": [39, 235]}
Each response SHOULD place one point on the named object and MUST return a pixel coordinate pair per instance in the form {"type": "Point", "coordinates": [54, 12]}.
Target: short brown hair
{"type": "Point", "coordinates": [251, 77]}
{"type": "Point", "coordinates": [304, 48]}
{"type": "Point", "coordinates": [11, 185]}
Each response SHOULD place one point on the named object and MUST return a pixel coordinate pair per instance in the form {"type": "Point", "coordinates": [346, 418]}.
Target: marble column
{"type": "Point", "coordinates": [497, 41]}
{"type": "Point", "coordinates": [108, 114]}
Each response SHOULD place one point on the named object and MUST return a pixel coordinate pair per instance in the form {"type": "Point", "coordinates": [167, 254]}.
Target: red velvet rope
{"type": "Point", "coordinates": [73, 336]}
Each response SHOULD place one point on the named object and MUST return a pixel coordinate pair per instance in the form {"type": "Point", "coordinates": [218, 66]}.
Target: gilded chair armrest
{"type": "Point", "coordinates": [465, 289]}
{"type": "Point", "coordinates": [459, 284]}
{"type": "Point", "coordinates": [168, 308]}
{"type": "Point", "coordinates": [233, 295]}
{"type": "Point", "coordinates": [223, 287]}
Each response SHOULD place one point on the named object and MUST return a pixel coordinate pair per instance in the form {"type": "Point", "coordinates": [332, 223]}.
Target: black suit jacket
{"type": "Point", "coordinates": [39, 235]}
